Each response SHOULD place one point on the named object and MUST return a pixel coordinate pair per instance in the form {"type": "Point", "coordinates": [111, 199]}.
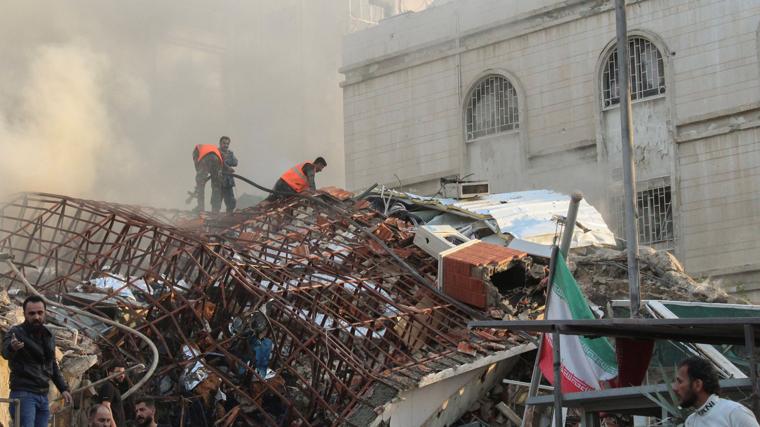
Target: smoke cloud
{"type": "Point", "coordinates": [106, 99]}
{"type": "Point", "coordinates": [58, 131]}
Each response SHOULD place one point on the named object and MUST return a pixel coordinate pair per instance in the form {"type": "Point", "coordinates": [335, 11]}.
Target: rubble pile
{"type": "Point", "coordinates": [602, 274]}
{"type": "Point", "coordinates": [294, 313]}
{"type": "Point", "coordinates": [306, 311]}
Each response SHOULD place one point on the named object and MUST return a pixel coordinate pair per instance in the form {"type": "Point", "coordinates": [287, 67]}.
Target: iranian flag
{"type": "Point", "coordinates": [585, 362]}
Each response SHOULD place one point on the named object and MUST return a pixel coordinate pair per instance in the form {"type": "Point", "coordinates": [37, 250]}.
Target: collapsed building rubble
{"type": "Point", "coordinates": [291, 311]}
{"type": "Point", "coordinates": [307, 311]}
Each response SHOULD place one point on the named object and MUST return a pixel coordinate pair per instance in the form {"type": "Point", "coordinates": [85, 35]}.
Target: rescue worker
{"type": "Point", "coordinates": [298, 179]}
{"type": "Point", "coordinates": [228, 182]}
{"type": "Point", "coordinates": [208, 165]}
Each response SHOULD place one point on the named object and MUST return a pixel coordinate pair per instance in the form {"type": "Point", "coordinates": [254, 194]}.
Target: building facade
{"type": "Point", "coordinates": [525, 95]}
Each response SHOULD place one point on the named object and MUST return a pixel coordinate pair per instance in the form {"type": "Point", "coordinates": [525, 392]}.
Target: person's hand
{"type": "Point", "coordinates": [16, 344]}
{"type": "Point", "coordinates": [67, 399]}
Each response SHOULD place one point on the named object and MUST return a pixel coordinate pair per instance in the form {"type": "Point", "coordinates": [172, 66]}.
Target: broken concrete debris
{"type": "Point", "coordinates": [307, 311]}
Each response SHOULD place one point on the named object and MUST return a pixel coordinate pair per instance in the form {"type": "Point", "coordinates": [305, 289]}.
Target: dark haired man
{"type": "Point", "coordinates": [228, 182]}
{"type": "Point", "coordinates": [145, 413]}
{"type": "Point", "coordinates": [109, 394]}
{"type": "Point", "coordinates": [696, 386]}
{"type": "Point", "coordinates": [30, 351]}
{"type": "Point", "coordinates": [298, 179]}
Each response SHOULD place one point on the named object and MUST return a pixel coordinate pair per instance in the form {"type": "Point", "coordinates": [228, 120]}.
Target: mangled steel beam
{"type": "Point", "coordinates": [298, 311]}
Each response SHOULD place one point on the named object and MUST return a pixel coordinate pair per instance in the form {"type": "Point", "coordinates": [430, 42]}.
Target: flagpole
{"type": "Point", "coordinates": [536, 378]}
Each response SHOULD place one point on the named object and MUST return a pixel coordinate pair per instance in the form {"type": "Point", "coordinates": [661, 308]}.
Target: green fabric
{"type": "Point", "coordinates": [565, 287]}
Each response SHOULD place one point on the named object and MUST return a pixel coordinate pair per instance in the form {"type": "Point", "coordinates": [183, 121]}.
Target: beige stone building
{"type": "Point", "coordinates": [524, 94]}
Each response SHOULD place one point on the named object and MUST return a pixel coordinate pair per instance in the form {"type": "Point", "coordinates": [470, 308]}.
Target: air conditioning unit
{"type": "Point", "coordinates": [470, 189]}
{"type": "Point", "coordinates": [435, 239]}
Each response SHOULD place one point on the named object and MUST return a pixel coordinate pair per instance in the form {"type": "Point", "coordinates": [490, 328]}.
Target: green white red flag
{"type": "Point", "coordinates": [585, 363]}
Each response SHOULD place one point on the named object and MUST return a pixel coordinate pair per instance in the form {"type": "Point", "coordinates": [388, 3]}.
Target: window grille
{"type": "Point", "coordinates": [491, 108]}
{"type": "Point", "coordinates": [655, 215]}
{"type": "Point", "coordinates": [647, 72]}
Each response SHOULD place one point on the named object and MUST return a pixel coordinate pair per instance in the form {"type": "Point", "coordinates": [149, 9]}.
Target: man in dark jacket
{"type": "Point", "coordinates": [228, 182]}
{"type": "Point", "coordinates": [109, 394]}
{"type": "Point", "coordinates": [30, 351]}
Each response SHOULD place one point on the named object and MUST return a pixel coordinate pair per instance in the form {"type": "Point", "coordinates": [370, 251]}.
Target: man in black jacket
{"type": "Point", "coordinates": [30, 351]}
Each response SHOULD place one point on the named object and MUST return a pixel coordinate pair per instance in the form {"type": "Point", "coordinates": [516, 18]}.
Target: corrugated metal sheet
{"type": "Point", "coordinates": [528, 215]}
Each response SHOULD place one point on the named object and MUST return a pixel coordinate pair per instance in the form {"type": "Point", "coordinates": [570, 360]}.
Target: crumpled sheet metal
{"type": "Point", "coordinates": [342, 313]}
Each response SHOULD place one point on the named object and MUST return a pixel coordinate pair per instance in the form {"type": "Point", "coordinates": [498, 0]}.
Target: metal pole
{"type": "Point", "coordinates": [17, 418]}
{"type": "Point", "coordinates": [572, 215]}
{"type": "Point", "coordinates": [749, 344]}
{"type": "Point", "coordinates": [629, 168]}
{"type": "Point", "coordinates": [535, 380]}
{"type": "Point", "coordinates": [557, 378]}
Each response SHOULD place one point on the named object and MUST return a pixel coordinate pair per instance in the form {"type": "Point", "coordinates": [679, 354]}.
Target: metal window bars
{"type": "Point", "coordinates": [655, 216]}
{"type": "Point", "coordinates": [491, 108]}
{"type": "Point", "coordinates": [647, 72]}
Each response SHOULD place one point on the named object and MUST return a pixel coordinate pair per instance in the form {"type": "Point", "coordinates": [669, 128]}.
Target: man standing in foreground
{"type": "Point", "coordinates": [30, 351]}
{"type": "Point", "coordinates": [145, 413]}
{"type": "Point", "coordinates": [298, 179]}
{"type": "Point", "coordinates": [696, 385]}
{"type": "Point", "coordinates": [228, 182]}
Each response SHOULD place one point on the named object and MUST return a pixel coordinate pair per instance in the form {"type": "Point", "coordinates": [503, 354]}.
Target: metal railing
{"type": "Point", "coordinates": [17, 403]}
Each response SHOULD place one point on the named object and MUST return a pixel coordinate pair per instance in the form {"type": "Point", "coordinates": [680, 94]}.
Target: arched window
{"type": "Point", "coordinates": [647, 72]}
{"type": "Point", "coordinates": [491, 107]}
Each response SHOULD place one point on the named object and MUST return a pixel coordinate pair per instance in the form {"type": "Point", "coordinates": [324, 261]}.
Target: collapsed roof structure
{"type": "Point", "coordinates": [321, 310]}
{"type": "Point", "coordinates": [332, 296]}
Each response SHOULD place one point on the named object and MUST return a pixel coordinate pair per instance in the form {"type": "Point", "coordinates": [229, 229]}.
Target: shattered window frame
{"type": "Point", "coordinates": [646, 72]}
{"type": "Point", "coordinates": [492, 107]}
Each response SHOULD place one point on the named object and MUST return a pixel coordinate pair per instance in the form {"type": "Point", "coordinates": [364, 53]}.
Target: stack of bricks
{"type": "Point", "coordinates": [464, 271]}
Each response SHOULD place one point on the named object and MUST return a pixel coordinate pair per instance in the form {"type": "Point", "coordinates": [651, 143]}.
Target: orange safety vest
{"type": "Point", "coordinates": [205, 149]}
{"type": "Point", "coordinates": [296, 178]}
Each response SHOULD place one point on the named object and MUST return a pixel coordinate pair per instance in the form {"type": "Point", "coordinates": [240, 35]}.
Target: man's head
{"type": "Point", "coordinates": [319, 164]}
{"type": "Point", "coordinates": [145, 411]}
{"type": "Point", "coordinates": [100, 416]}
{"type": "Point", "coordinates": [34, 311]}
{"type": "Point", "coordinates": [117, 369]}
{"type": "Point", "coordinates": [224, 143]}
{"type": "Point", "coordinates": [695, 381]}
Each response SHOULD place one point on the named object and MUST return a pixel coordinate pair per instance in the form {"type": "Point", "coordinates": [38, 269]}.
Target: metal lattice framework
{"type": "Point", "coordinates": [349, 303]}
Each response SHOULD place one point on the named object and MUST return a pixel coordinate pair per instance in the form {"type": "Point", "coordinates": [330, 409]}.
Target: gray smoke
{"type": "Point", "coordinates": [106, 99]}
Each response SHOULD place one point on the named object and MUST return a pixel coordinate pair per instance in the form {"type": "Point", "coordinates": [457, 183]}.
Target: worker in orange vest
{"type": "Point", "coordinates": [298, 179]}
{"type": "Point", "coordinates": [208, 165]}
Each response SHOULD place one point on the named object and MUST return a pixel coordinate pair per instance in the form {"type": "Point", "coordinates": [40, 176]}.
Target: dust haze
{"type": "Point", "coordinates": [106, 99]}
